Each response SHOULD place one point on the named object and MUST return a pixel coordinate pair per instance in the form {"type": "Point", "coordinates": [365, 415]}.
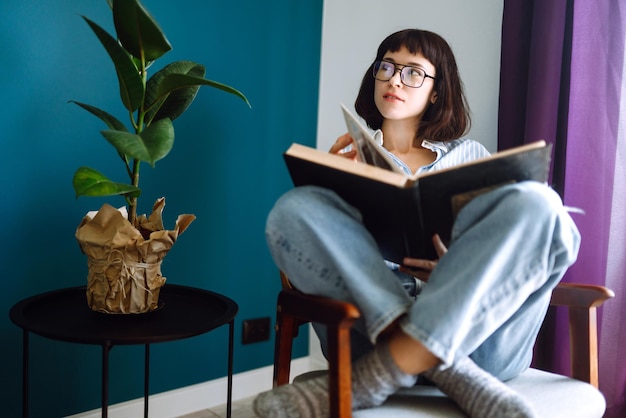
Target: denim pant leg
{"type": "Point", "coordinates": [320, 242]}
{"type": "Point", "coordinates": [360, 343]}
{"type": "Point", "coordinates": [488, 295]}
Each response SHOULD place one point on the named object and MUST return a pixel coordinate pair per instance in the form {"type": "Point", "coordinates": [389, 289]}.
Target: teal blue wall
{"type": "Point", "coordinates": [225, 167]}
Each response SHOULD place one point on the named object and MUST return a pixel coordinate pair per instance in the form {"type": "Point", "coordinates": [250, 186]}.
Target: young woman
{"type": "Point", "coordinates": [474, 323]}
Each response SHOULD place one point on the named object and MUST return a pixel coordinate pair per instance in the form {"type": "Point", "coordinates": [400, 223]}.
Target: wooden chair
{"type": "Point", "coordinates": [551, 395]}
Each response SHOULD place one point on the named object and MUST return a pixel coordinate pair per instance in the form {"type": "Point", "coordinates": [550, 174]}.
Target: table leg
{"type": "Point", "coordinates": [146, 383]}
{"type": "Point", "coordinates": [229, 399]}
{"type": "Point", "coordinates": [106, 347]}
{"type": "Point", "coordinates": [25, 373]}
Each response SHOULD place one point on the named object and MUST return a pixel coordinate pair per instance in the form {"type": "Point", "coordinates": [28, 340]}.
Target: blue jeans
{"type": "Point", "coordinates": [486, 298]}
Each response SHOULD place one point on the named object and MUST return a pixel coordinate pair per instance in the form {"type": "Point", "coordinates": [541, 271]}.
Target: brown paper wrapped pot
{"type": "Point", "coordinates": [124, 264]}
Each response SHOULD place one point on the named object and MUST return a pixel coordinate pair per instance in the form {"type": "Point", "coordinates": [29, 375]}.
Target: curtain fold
{"type": "Point", "coordinates": [536, 45]}
{"type": "Point", "coordinates": [563, 81]}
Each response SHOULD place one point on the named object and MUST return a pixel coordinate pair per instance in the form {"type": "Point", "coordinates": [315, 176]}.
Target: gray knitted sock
{"type": "Point", "coordinates": [477, 392]}
{"type": "Point", "coordinates": [374, 377]}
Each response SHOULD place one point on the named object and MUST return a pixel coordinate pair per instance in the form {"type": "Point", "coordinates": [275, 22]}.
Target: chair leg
{"type": "Point", "coordinates": [340, 370]}
{"type": "Point", "coordinates": [286, 331]}
{"type": "Point", "coordinates": [583, 328]}
{"type": "Point", "coordinates": [295, 309]}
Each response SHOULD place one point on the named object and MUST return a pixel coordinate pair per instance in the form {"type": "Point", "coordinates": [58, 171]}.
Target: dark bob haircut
{"type": "Point", "coordinates": [446, 119]}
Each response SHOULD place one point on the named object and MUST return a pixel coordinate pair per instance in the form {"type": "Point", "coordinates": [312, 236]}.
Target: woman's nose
{"type": "Point", "coordinates": [396, 78]}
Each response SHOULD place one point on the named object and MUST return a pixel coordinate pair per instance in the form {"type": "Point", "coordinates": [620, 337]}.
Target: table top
{"type": "Point", "coordinates": [64, 315]}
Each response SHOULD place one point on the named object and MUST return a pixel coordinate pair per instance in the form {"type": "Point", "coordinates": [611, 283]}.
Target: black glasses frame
{"type": "Point", "coordinates": [399, 67]}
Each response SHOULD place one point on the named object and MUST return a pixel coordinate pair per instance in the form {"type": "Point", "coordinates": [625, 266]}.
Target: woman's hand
{"type": "Point", "coordinates": [420, 268]}
{"type": "Point", "coordinates": [342, 142]}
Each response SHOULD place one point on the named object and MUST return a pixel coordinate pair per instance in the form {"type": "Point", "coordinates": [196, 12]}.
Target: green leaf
{"type": "Point", "coordinates": [170, 91]}
{"type": "Point", "coordinates": [137, 30]}
{"type": "Point", "coordinates": [132, 87]}
{"type": "Point", "coordinates": [111, 121]}
{"type": "Point", "coordinates": [89, 182]}
{"type": "Point", "coordinates": [173, 103]}
{"type": "Point", "coordinates": [154, 143]}
{"type": "Point", "coordinates": [176, 81]}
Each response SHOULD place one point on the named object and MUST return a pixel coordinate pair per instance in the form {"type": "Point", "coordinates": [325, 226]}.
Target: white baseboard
{"type": "Point", "coordinates": [205, 395]}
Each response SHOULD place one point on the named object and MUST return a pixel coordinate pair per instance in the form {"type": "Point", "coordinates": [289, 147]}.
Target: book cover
{"type": "Point", "coordinates": [402, 213]}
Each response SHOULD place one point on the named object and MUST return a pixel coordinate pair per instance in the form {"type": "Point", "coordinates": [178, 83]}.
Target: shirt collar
{"type": "Point", "coordinates": [435, 145]}
{"type": "Point", "coordinates": [426, 143]}
{"type": "Point", "coordinates": [378, 137]}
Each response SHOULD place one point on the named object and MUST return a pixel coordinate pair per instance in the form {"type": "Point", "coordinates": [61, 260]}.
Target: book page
{"type": "Point", "coordinates": [368, 150]}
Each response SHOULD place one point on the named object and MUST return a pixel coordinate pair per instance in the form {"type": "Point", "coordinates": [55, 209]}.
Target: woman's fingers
{"type": "Point", "coordinates": [421, 268]}
{"type": "Point", "coordinates": [418, 268]}
{"type": "Point", "coordinates": [341, 144]}
{"type": "Point", "coordinates": [418, 263]}
{"type": "Point", "coordinates": [440, 247]}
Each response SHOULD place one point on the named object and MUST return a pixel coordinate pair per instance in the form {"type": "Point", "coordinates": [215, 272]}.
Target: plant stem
{"type": "Point", "coordinates": [139, 125]}
{"type": "Point", "coordinates": [132, 206]}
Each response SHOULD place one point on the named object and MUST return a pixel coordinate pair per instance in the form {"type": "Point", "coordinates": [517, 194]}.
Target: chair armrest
{"type": "Point", "coordinates": [317, 308]}
{"type": "Point", "coordinates": [311, 308]}
{"type": "Point", "coordinates": [580, 295]}
{"type": "Point", "coordinates": [582, 301]}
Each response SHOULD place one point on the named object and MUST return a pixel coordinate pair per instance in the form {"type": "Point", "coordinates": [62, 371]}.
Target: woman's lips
{"type": "Point", "coordinates": [392, 97]}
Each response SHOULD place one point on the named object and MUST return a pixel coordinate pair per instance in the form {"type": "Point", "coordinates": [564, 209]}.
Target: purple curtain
{"type": "Point", "coordinates": [563, 80]}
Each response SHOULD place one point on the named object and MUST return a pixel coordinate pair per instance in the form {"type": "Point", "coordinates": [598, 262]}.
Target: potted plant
{"type": "Point", "coordinates": [124, 249]}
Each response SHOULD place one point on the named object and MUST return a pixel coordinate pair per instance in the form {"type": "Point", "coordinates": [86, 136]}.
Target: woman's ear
{"type": "Point", "coordinates": [433, 97]}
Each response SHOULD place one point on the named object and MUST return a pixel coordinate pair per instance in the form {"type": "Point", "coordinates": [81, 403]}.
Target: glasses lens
{"type": "Point", "coordinates": [383, 70]}
{"type": "Point", "coordinates": [412, 76]}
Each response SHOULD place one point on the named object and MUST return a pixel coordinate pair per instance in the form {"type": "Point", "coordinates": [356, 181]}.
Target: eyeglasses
{"type": "Point", "coordinates": [410, 76]}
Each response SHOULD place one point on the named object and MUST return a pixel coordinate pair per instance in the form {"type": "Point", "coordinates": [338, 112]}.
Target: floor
{"type": "Point", "coordinates": [240, 409]}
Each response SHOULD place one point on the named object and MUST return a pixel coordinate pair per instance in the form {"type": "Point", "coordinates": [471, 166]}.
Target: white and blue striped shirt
{"type": "Point", "coordinates": [449, 154]}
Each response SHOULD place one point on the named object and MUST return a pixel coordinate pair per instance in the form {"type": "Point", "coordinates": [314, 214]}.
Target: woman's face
{"type": "Point", "coordinates": [396, 101]}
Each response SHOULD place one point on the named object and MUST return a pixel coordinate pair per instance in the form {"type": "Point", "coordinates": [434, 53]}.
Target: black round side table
{"type": "Point", "coordinates": [64, 315]}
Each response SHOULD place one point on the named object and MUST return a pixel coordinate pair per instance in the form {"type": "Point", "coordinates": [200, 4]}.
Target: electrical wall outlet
{"type": "Point", "coordinates": [255, 330]}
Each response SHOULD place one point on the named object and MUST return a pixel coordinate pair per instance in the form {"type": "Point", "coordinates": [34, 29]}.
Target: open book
{"type": "Point", "coordinates": [403, 212]}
